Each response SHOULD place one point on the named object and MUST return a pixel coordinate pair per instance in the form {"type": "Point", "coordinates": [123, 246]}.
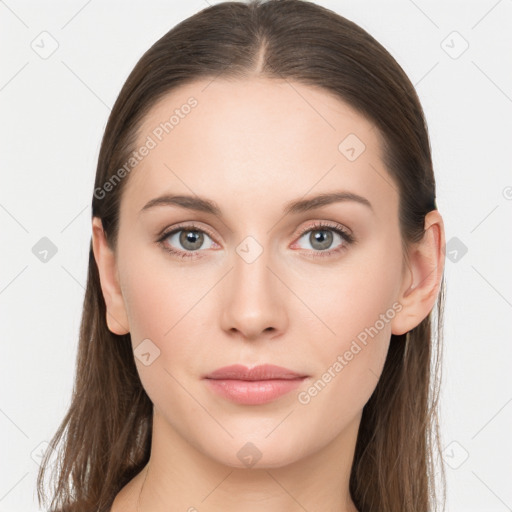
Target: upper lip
{"type": "Point", "coordinates": [261, 372]}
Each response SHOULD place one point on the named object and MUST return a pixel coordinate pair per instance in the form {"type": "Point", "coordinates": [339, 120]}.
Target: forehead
{"type": "Point", "coordinates": [251, 138]}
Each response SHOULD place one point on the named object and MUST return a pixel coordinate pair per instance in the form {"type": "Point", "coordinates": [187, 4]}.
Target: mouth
{"type": "Point", "coordinates": [259, 385]}
{"type": "Point", "coordinates": [261, 372]}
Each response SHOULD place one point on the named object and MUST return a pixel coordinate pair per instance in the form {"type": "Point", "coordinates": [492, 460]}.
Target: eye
{"type": "Point", "coordinates": [186, 240]}
{"type": "Point", "coordinates": [321, 236]}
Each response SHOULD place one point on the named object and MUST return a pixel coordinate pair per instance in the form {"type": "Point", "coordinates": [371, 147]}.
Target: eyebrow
{"type": "Point", "coordinates": [202, 204]}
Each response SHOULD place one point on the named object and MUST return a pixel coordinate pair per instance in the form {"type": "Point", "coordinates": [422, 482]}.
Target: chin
{"type": "Point", "coordinates": [252, 452]}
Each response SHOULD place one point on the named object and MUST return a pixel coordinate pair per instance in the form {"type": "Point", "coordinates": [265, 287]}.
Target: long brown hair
{"type": "Point", "coordinates": [106, 433]}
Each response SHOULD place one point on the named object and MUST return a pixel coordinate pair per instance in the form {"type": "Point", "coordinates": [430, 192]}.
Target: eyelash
{"type": "Point", "coordinates": [347, 237]}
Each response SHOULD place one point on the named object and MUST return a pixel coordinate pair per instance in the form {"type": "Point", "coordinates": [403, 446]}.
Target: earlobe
{"type": "Point", "coordinates": [116, 318]}
{"type": "Point", "coordinates": [423, 278]}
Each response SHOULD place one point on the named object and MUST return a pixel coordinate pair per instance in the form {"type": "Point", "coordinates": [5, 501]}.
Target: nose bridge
{"type": "Point", "coordinates": [254, 302]}
{"type": "Point", "coordinates": [251, 276]}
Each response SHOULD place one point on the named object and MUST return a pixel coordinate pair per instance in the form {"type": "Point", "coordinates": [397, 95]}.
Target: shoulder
{"type": "Point", "coordinates": [126, 498]}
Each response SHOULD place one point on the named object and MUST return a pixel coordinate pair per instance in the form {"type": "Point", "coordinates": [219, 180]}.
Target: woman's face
{"type": "Point", "coordinates": [258, 282]}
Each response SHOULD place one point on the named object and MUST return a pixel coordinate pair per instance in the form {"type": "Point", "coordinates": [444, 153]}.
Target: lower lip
{"type": "Point", "coordinates": [253, 392]}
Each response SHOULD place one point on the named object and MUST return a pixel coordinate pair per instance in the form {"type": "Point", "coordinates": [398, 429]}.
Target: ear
{"type": "Point", "coordinates": [422, 276]}
{"type": "Point", "coordinates": [117, 319]}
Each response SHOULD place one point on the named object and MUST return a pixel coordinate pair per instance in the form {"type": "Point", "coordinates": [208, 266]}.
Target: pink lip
{"type": "Point", "coordinates": [258, 385]}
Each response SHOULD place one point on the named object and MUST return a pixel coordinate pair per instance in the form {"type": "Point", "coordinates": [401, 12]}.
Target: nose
{"type": "Point", "coordinates": [253, 304]}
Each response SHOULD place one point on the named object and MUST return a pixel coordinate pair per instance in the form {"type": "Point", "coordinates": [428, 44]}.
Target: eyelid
{"type": "Point", "coordinates": [190, 226]}
{"type": "Point", "coordinates": [319, 224]}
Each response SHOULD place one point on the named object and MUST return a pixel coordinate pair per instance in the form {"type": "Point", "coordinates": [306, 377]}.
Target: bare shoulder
{"type": "Point", "coordinates": [126, 499]}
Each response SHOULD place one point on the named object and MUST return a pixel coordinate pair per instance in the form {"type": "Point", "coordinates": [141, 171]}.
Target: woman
{"type": "Point", "coordinates": [265, 263]}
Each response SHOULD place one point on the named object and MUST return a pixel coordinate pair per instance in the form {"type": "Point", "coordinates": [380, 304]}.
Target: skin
{"type": "Point", "coordinates": [252, 146]}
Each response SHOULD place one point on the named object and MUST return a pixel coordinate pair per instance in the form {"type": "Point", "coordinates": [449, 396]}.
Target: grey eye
{"type": "Point", "coordinates": [188, 239]}
{"type": "Point", "coordinates": [320, 239]}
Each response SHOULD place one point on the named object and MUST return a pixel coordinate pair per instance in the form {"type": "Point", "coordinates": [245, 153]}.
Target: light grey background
{"type": "Point", "coordinates": [53, 113]}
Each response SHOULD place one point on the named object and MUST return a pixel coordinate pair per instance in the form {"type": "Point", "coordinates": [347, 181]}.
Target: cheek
{"type": "Point", "coordinates": [351, 298]}
{"type": "Point", "coordinates": [163, 307]}
{"type": "Point", "coordinates": [158, 293]}
{"type": "Point", "coordinates": [348, 364]}
{"type": "Point", "coordinates": [357, 305]}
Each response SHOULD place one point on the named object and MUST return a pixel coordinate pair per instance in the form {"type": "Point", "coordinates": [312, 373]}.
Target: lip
{"type": "Point", "coordinates": [261, 372]}
{"type": "Point", "coordinates": [259, 385]}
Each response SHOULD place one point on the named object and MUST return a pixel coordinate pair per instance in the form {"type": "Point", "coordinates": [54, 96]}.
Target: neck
{"type": "Point", "coordinates": [183, 477]}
